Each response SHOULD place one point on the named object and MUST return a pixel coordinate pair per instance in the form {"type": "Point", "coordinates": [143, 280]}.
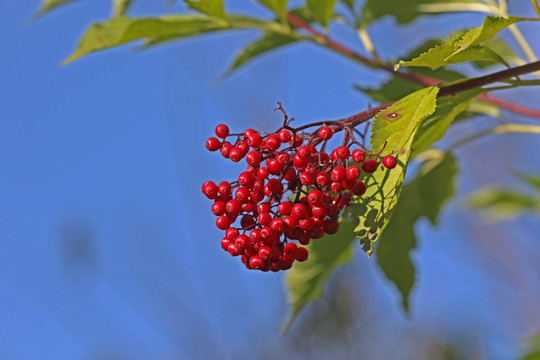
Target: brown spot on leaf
{"type": "Point", "coordinates": [392, 116]}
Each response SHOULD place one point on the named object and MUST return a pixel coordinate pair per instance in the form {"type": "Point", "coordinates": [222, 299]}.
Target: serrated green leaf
{"type": "Point", "coordinates": [436, 125]}
{"type": "Point", "coordinates": [306, 280]}
{"type": "Point", "coordinates": [406, 11]}
{"type": "Point", "coordinates": [444, 55]}
{"type": "Point", "coordinates": [121, 30]}
{"type": "Point", "coordinates": [120, 7]}
{"type": "Point", "coordinates": [48, 5]}
{"type": "Point", "coordinates": [502, 203]}
{"type": "Point", "coordinates": [268, 42]}
{"type": "Point", "coordinates": [393, 129]}
{"type": "Point", "coordinates": [279, 7]}
{"type": "Point", "coordinates": [322, 10]}
{"type": "Point", "coordinates": [465, 46]}
{"type": "Point", "coordinates": [209, 7]}
{"type": "Point", "coordinates": [422, 197]}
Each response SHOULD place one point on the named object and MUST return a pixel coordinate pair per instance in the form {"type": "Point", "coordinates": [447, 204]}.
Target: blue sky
{"type": "Point", "coordinates": [109, 251]}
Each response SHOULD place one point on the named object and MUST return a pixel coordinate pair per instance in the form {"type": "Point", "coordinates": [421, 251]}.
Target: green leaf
{"type": "Point", "coordinates": [349, 3]}
{"type": "Point", "coordinates": [500, 47]}
{"type": "Point", "coordinates": [502, 203]}
{"type": "Point", "coordinates": [436, 125]}
{"type": "Point", "coordinates": [393, 130]}
{"type": "Point", "coordinates": [465, 46]}
{"type": "Point", "coordinates": [121, 30]}
{"type": "Point", "coordinates": [120, 7]}
{"type": "Point", "coordinates": [422, 197]}
{"type": "Point", "coordinates": [533, 345]}
{"type": "Point", "coordinates": [277, 6]}
{"type": "Point", "coordinates": [306, 280]}
{"type": "Point", "coordinates": [268, 42]}
{"type": "Point", "coordinates": [532, 180]}
{"type": "Point", "coordinates": [48, 5]}
{"type": "Point", "coordinates": [406, 11]}
{"type": "Point", "coordinates": [209, 7]}
{"type": "Point", "coordinates": [322, 10]}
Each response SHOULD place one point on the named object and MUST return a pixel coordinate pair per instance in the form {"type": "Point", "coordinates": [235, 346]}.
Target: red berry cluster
{"type": "Point", "coordinates": [290, 190]}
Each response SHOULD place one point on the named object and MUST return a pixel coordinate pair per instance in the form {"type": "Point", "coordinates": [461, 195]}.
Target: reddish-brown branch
{"type": "Point", "coordinates": [416, 78]}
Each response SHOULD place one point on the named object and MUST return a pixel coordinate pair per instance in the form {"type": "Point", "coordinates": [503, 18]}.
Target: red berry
{"type": "Point", "coordinates": [331, 226]}
{"type": "Point", "coordinates": [358, 156]}
{"type": "Point", "coordinates": [285, 208]}
{"type": "Point", "coordinates": [336, 187]}
{"type": "Point", "coordinates": [218, 208]}
{"type": "Point", "coordinates": [389, 162]}
{"type": "Point", "coordinates": [236, 154]}
{"type": "Point", "coordinates": [253, 158]}
{"type": "Point", "coordinates": [304, 152]}
{"type": "Point", "coordinates": [234, 249]}
{"type": "Point", "coordinates": [301, 254]}
{"type": "Point", "coordinates": [359, 189]}
{"type": "Point", "coordinates": [222, 131]}
{"type": "Point", "coordinates": [284, 135]}
{"type": "Point", "coordinates": [226, 148]}
{"type": "Point", "coordinates": [323, 179]}
{"type": "Point", "coordinates": [272, 142]}
{"type": "Point", "coordinates": [210, 190]}
{"type": "Point", "coordinates": [307, 178]}
{"type": "Point", "coordinates": [299, 211]}
{"type": "Point", "coordinates": [290, 249]}
{"type": "Point", "coordinates": [233, 207]}
{"type": "Point", "coordinates": [343, 152]}
{"type": "Point", "coordinates": [265, 252]}
{"type": "Point", "coordinates": [232, 233]}
{"type": "Point", "coordinates": [370, 165]}
{"type": "Point", "coordinates": [318, 211]}
{"type": "Point", "coordinates": [353, 172]}
{"type": "Point", "coordinates": [242, 241]}
{"type": "Point", "coordinates": [326, 133]}
{"type": "Point", "coordinates": [305, 224]}
{"type": "Point", "coordinates": [254, 140]}
{"type": "Point", "coordinates": [285, 262]}
{"type": "Point", "coordinates": [249, 132]}
{"type": "Point", "coordinates": [213, 144]}
{"type": "Point", "coordinates": [339, 173]}
{"type": "Point", "coordinates": [223, 222]}
{"type": "Point", "coordinates": [315, 197]}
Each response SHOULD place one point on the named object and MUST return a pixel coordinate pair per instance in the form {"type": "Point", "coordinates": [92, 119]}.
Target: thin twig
{"type": "Point", "coordinates": [416, 78]}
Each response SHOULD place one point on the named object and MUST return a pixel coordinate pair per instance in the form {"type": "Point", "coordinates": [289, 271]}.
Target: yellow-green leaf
{"type": "Point", "coordinates": [48, 5]}
{"type": "Point", "coordinates": [268, 42]}
{"type": "Point", "coordinates": [279, 7]}
{"type": "Point", "coordinates": [465, 46]}
{"type": "Point", "coordinates": [407, 11]}
{"type": "Point", "coordinates": [393, 132]}
{"type": "Point", "coordinates": [322, 10]}
{"type": "Point", "coordinates": [120, 7]}
{"type": "Point", "coordinates": [436, 125]}
{"type": "Point", "coordinates": [422, 197]}
{"type": "Point", "coordinates": [210, 7]}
